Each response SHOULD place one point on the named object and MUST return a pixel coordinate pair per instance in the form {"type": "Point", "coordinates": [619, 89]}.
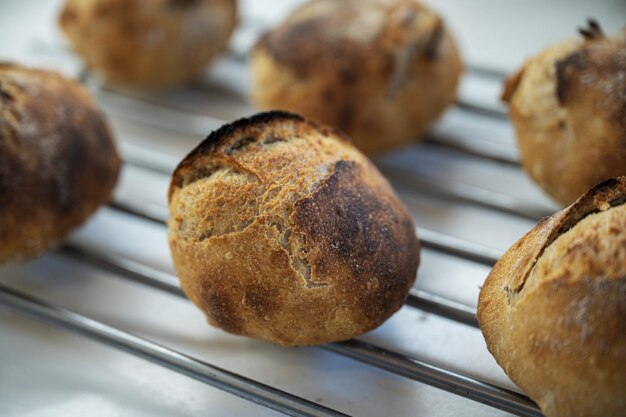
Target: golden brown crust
{"type": "Point", "coordinates": [379, 70]}
{"type": "Point", "coordinates": [58, 161]}
{"type": "Point", "coordinates": [569, 112]}
{"type": "Point", "coordinates": [148, 43]}
{"type": "Point", "coordinates": [553, 309]}
{"type": "Point", "coordinates": [282, 231]}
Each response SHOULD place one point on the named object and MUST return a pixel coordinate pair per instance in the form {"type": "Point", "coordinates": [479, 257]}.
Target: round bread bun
{"type": "Point", "coordinates": [148, 43]}
{"type": "Point", "coordinates": [282, 231]}
{"type": "Point", "coordinates": [380, 70]}
{"type": "Point", "coordinates": [553, 310]}
{"type": "Point", "coordinates": [568, 106]}
{"type": "Point", "coordinates": [58, 161]}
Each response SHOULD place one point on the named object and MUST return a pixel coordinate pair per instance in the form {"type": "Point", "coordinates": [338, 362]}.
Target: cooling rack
{"type": "Point", "coordinates": [462, 184]}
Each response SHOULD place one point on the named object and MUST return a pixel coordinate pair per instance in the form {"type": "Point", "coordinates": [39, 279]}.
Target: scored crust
{"type": "Point", "coordinates": [552, 310]}
{"type": "Point", "coordinates": [280, 230]}
{"type": "Point", "coordinates": [58, 161]}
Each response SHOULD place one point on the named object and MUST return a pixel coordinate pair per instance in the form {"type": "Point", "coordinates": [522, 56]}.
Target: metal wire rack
{"type": "Point", "coordinates": [370, 354]}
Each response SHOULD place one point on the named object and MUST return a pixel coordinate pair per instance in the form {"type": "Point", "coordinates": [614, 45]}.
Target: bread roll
{"type": "Point", "coordinates": [148, 43]}
{"type": "Point", "coordinates": [58, 162]}
{"type": "Point", "coordinates": [553, 310]}
{"type": "Point", "coordinates": [281, 230]}
{"type": "Point", "coordinates": [568, 106]}
{"type": "Point", "coordinates": [381, 70]}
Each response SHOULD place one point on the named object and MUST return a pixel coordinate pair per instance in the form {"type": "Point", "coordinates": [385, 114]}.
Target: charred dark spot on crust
{"type": "Point", "coordinates": [566, 70]}
{"type": "Point", "coordinates": [222, 310]}
{"type": "Point", "coordinates": [348, 75]}
{"type": "Point", "coordinates": [307, 46]}
{"type": "Point", "coordinates": [4, 177]}
{"type": "Point", "coordinates": [329, 131]}
{"type": "Point", "coordinates": [356, 226]}
{"type": "Point", "coordinates": [75, 154]}
{"type": "Point", "coordinates": [592, 31]}
{"type": "Point", "coordinates": [594, 75]}
{"type": "Point", "coordinates": [239, 144]}
{"type": "Point", "coordinates": [260, 299]}
{"type": "Point", "coordinates": [431, 51]}
{"type": "Point", "coordinates": [5, 95]}
{"type": "Point", "coordinates": [328, 95]}
{"type": "Point", "coordinates": [182, 4]}
{"type": "Point", "coordinates": [224, 133]}
{"type": "Point", "coordinates": [294, 44]}
{"type": "Point", "coordinates": [273, 139]}
{"type": "Point", "coordinates": [219, 136]}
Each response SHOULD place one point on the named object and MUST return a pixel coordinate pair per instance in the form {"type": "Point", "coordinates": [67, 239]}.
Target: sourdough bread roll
{"type": "Point", "coordinates": [553, 310]}
{"type": "Point", "coordinates": [568, 106]}
{"type": "Point", "coordinates": [281, 230]}
{"type": "Point", "coordinates": [381, 70]}
{"type": "Point", "coordinates": [148, 43]}
{"type": "Point", "coordinates": [58, 161]}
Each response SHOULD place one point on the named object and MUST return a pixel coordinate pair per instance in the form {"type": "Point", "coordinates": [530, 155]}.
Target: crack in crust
{"type": "Point", "coordinates": [218, 138]}
{"type": "Point", "coordinates": [297, 239]}
{"type": "Point", "coordinates": [606, 195]}
{"type": "Point", "coordinates": [221, 157]}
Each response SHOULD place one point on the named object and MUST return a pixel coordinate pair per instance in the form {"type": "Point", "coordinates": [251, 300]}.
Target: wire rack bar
{"type": "Point", "coordinates": [442, 307]}
{"type": "Point", "coordinates": [498, 153]}
{"type": "Point", "coordinates": [367, 353]}
{"type": "Point", "coordinates": [464, 386]}
{"type": "Point", "coordinates": [219, 378]}
{"type": "Point", "coordinates": [476, 150]}
{"type": "Point", "coordinates": [466, 193]}
{"type": "Point", "coordinates": [458, 247]}
{"type": "Point", "coordinates": [136, 271]}
{"type": "Point", "coordinates": [363, 352]}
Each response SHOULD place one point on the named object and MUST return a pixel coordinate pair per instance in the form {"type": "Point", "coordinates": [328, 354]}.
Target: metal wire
{"type": "Point", "coordinates": [464, 386]}
{"type": "Point", "coordinates": [355, 349]}
{"type": "Point", "coordinates": [367, 353]}
{"type": "Point", "coordinates": [464, 192]}
{"type": "Point", "coordinates": [238, 385]}
{"type": "Point", "coordinates": [494, 153]}
{"type": "Point", "coordinates": [144, 274]}
{"type": "Point", "coordinates": [443, 307]}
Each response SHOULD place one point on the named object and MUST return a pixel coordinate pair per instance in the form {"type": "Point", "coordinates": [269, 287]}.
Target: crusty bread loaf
{"type": "Point", "coordinates": [553, 310]}
{"type": "Point", "coordinates": [281, 230]}
{"type": "Point", "coordinates": [148, 43]}
{"type": "Point", "coordinates": [568, 106]}
{"type": "Point", "coordinates": [380, 70]}
{"type": "Point", "coordinates": [58, 162]}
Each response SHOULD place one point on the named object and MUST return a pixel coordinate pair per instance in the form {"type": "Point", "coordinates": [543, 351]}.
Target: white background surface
{"type": "Point", "coordinates": [47, 372]}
